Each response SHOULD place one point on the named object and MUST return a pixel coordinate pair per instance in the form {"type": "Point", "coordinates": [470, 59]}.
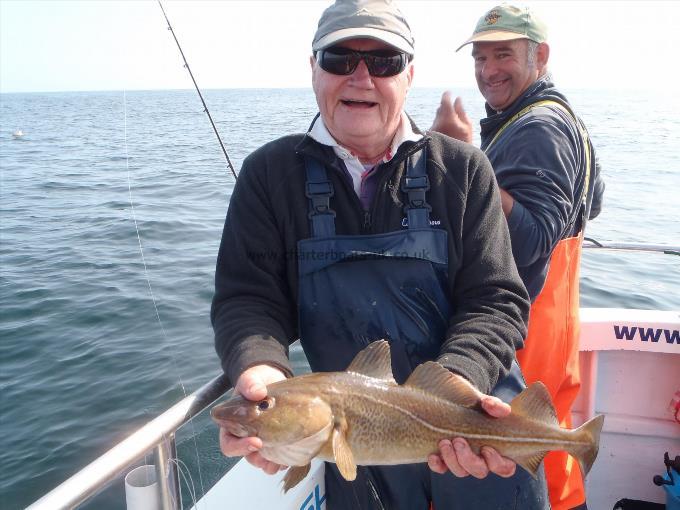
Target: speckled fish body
{"type": "Point", "coordinates": [362, 417]}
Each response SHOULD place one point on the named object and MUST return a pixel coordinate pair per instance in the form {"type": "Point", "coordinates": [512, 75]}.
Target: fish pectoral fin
{"type": "Point", "coordinates": [535, 403]}
{"type": "Point", "coordinates": [433, 378]}
{"type": "Point", "coordinates": [530, 462]}
{"type": "Point", "coordinates": [374, 361]}
{"type": "Point", "coordinates": [342, 453]}
{"type": "Point", "coordinates": [294, 476]}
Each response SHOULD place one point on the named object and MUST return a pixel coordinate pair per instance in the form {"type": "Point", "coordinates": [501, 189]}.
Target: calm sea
{"type": "Point", "coordinates": [96, 339]}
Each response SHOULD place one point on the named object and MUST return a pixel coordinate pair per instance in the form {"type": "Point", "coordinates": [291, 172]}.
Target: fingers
{"type": "Point", "coordinates": [461, 457]}
{"type": "Point", "coordinates": [450, 459]}
{"type": "Point", "coordinates": [265, 465]}
{"type": "Point", "coordinates": [436, 464]}
{"type": "Point", "coordinates": [460, 111]}
{"type": "Point", "coordinates": [251, 386]}
{"type": "Point", "coordinates": [247, 447]}
{"type": "Point", "coordinates": [451, 119]}
{"type": "Point", "coordinates": [444, 114]}
{"type": "Point", "coordinates": [457, 456]}
{"type": "Point", "coordinates": [252, 383]}
{"type": "Point", "coordinates": [494, 406]}
{"type": "Point", "coordinates": [233, 446]}
{"type": "Point", "coordinates": [498, 464]}
{"type": "Point", "coordinates": [446, 102]}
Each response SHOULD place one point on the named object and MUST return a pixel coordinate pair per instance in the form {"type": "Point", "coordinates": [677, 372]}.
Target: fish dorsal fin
{"type": "Point", "coordinates": [535, 403]}
{"type": "Point", "coordinates": [433, 378]}
{"type": "Point", "coordinates": [374, 361]}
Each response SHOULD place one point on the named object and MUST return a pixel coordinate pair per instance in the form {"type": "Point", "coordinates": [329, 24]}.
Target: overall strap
{"type": "Point", "coordinates": [319, 190]}
{"type": "Point", "coordinates": [522, 113]}
{"type": "Point", "coordinates": [415, 185]}
{"type": "Point", "coordinates": [581, 211]}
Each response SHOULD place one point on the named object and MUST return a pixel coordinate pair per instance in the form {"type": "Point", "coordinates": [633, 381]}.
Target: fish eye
{"type": "Point", "coordinates": [263, 405]}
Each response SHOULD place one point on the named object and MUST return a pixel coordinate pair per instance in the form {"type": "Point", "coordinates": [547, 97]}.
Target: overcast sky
{"type": "Point", "coordinates": [115, 45]}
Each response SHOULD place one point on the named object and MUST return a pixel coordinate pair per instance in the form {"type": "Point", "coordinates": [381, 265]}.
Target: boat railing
{"type": "Point", "coordinates": [590, 243]}
{"type": "Point", "coordinates": [158, 436]}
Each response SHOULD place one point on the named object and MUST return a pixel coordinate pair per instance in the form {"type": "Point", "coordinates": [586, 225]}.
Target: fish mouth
{"type": "Point", "coordinates": [235, 428]}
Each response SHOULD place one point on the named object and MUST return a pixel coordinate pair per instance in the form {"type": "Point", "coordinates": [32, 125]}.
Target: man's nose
{"type": "Point", "coordinates": [361, 76]}
{"type": "Point", "coordinates": [488, 69]}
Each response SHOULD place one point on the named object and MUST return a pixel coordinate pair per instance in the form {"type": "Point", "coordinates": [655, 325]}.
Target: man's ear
{"type": "Point", "coordinates": [312, 61]}
{"type": "Point", "coordinates": [410, 75]}
{"type": "Point", "coordinates": [542, 56]}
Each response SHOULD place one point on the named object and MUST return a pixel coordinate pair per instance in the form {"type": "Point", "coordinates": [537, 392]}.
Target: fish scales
{"type": "Point", "coordinates": [416, 421]}
{"type": "Point", "coordinates": [362, 417]}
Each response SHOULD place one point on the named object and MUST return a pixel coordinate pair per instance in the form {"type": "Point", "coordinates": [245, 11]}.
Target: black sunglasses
{"type": "Point", "coordinates": [380, 63]}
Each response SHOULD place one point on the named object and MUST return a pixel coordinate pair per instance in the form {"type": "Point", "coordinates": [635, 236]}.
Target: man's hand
{"type": "Point", "coordinates": [456, 456]}
{"type": "Point", "coordinates": [252, 384]}
{"type": "Point", "coordinates": [452, 120]}
{"type": "Point", "coordinates": [507, 202]}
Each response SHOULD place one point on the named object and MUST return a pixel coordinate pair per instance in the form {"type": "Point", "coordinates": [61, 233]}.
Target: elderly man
{"type": "Point", "coordinates": [550, 185]}
{"type": "Point", "coordinates": [365, 228]}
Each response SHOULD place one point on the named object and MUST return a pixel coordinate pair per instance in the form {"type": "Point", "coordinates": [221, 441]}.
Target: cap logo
{"type": "Point", "coordinates": [363, 12]}
{"type": "Point", "coordinates": [492, 17]}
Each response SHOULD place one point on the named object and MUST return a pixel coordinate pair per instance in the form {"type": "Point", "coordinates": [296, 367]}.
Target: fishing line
{"type": "Point", "coordinates": [183, 470]}
{"type": "Point", "coordinates": [205, 107]}
{"type": "Point", "coordinates": [134, 219]}
{"type": "Point", "coordinates": [151, 293]}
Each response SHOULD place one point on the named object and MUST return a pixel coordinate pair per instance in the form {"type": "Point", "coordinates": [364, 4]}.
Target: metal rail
{"type": "Point", "coordinates": [158, 434]}
{"type": "Point", "coordinates": [649, 248]}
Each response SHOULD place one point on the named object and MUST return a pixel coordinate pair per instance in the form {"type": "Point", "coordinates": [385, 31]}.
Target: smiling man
{"type": "Point", "coordinates": [365, 228]}
{"type": "Point", "coordinates": [550, 185]}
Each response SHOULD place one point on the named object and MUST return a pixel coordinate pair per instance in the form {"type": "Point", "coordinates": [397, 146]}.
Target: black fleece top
{"type": "Point", "coordinates": [540, 160]}
{"type": "Point", "coordinates": [254, 310]}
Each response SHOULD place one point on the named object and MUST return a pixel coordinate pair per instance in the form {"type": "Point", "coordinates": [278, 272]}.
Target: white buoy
{"type": "Point", "coordinates": [141, 489]}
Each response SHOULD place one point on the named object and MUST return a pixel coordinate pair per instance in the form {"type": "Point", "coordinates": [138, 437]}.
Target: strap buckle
{"type": "Point", "coordinates": [415, 188]}
{"type": "Point", "coordinates": [323, 188]}
{"type": "Point", "coordinates": [319, 193]}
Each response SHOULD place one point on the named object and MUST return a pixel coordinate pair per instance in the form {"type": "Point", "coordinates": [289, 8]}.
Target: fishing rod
{"type": "Point", "coordinates": [205, 107]}
{"type": "Point", "coordinates": [650, 248]}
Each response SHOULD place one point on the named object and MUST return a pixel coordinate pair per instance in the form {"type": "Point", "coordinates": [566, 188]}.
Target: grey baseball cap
{"type": "Point", "coordinates": [356, 19]}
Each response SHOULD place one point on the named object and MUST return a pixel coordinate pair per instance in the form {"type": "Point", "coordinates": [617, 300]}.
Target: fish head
{"type": "Point", "coordinates": [289, 413]}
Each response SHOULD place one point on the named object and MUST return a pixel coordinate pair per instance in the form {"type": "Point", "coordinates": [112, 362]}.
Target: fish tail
{"type": "Point", "coordinates": [588, 433]}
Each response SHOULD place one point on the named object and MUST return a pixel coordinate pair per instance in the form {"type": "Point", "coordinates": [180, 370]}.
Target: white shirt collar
{"type": "Point", "coordinates": [404, 133]}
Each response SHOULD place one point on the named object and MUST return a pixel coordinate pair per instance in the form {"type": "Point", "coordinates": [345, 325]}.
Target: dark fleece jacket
{"type": "Point", "coordinates": [254, 310]}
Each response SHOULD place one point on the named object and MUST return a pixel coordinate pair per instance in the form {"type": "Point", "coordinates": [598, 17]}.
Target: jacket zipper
{"type": "Point", "coordinates": [367, 222]}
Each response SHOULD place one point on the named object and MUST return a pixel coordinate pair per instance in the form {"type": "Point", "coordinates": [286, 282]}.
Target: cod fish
{"type": "Point", "coordinates": [363, 417]}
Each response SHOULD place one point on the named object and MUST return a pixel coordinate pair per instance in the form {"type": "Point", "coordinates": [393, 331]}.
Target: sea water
{"type": "Point", "coordinates": [97, 339]}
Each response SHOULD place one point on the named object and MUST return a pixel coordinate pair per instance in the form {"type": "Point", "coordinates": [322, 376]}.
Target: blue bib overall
{"type": "Point", "coordinates": [355, 289]}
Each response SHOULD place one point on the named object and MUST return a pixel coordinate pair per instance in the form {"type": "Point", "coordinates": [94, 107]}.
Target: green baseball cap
{"type": "Point", "coordinates": [507, 22]}
{"type": "Point", "coordinates": [357, 19]}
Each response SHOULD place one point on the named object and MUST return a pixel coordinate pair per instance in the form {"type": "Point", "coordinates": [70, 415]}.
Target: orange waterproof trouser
{"type": "Point", "coordinates": [550, 355]}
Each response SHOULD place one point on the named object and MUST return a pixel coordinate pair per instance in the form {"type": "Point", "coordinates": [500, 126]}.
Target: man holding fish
{"type": "Point", "coordinates": [366, 228]}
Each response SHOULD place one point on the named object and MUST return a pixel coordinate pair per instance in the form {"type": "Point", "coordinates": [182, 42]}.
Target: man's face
{"type": "Point", "coordinates": [502, 71]}
{"type": "Point", "coordinates": [361, 110]}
